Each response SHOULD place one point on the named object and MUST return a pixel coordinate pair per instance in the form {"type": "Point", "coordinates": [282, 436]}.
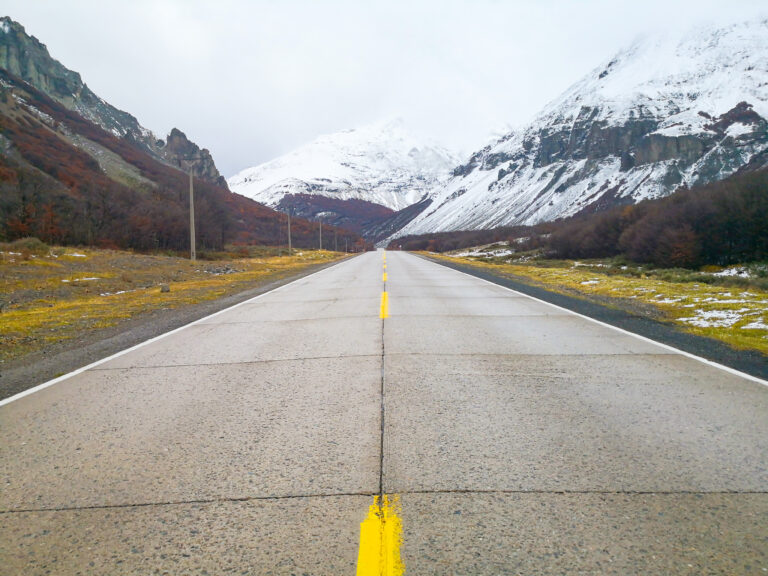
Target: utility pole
{"type": "Point", "coordinates": [192, 252]}
{"type": "Point", "coordinates": [321, 234]}
{"type": "Point", "coordinates": [346, 246]}
{"type": "Point", "coordinates": [335, 241]}
{"type": "Point", "coordinates": [290, 253]}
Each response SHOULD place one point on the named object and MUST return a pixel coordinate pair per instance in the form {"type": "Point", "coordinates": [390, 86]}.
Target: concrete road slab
{"type": "Point", "coordinates": [290, 536]}
{"type": "Point", "coordinates": [270, 311]}
{"type": "Point", "coordinates": [611, 534]}
{"type": "Point", "coordinates": [439, 291]}
{"type": "Point", "coordinates": [259, 341]}
{"type": "Point", "coordinates": [528, 335]}
{"type": "Point", "coordinates": [117, 437]}
{"type": "Point", "coordinates": [323, 293]}
{"type": "Point", "coordinates": [637, 423]}
{"type": "Point", "coordinates": [503, 305]}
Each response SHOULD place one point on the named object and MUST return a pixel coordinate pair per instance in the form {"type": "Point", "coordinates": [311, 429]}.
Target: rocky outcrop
{"type": "Point", "coordinates": [26, 57]}
{"type": "Point", "coordinates": [179, 151]}
{"type": "Point", "coordinates": [638, 143]}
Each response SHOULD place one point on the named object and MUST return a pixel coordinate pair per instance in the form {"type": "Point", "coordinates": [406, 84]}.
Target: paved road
{"type": "Point", "coordinates": [521, 439]}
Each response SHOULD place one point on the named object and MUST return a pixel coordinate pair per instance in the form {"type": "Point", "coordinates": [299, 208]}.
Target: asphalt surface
{"type": "Point", "coordinates": [521, 438]}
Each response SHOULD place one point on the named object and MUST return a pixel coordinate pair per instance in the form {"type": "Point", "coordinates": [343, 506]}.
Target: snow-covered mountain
{"type": "Point", "coordinates": [380, 163]}
{"type": "Point", "coordinates": [663, 113]}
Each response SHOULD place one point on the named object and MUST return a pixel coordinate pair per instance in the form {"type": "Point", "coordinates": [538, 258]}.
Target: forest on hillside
{"type": "Point", "coordinates": [53, 189]}
{"type": "Point", "coordinates": [721, 223]}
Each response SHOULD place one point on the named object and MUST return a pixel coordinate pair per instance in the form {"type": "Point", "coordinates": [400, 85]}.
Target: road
{"type": "Point", "coordinates": [519, 438]}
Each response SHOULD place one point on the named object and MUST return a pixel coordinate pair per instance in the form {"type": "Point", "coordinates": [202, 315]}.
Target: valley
{"type": "Point", "coordinates": [536, 343]}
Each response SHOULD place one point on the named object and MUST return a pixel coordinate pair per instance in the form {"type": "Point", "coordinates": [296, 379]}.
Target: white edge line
{"type": "Point", "coordinates": [63, 377]}
{"type": "Point", "coordinates": [645, 339]}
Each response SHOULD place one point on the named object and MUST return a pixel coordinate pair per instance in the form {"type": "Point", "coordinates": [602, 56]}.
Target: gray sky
{"type": "Point", "coordinates": [251, 80]}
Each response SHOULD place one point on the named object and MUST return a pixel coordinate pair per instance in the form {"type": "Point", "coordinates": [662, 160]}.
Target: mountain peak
{"type": "Point", "coordinates": [381, 162]}
{"type": "Point", "coordinates": [708, 68]}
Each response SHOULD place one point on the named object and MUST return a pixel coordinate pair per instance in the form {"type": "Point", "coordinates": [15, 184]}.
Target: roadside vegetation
{"type": "Point", "coordinates": [720, 224]}
{"type": "Point", "coordinates": [53, 294]}
{"type": "Point", "coordinates": [729, 304]}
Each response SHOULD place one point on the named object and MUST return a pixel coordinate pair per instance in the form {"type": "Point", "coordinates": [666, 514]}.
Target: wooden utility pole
{"type": "Point", "coordinates": [290, 253]}
{"type": "Point", "coordinates": [321, 234]}
{"type": "Point", "coordinates": [192, 252]}
{"type": "Point", "coordinates": [335, 241]}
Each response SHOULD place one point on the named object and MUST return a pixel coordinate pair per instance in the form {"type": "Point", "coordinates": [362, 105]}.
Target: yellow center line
{"type": "Point", "coordinates": [381, 535]}
{"type": "Point", "coordinates": [384, 311]}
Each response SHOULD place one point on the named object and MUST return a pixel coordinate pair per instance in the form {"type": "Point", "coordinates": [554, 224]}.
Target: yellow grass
{"type": "Point", "coordinates": [47, 299]}
{"type": "Point", "coordinates": [736, 316]}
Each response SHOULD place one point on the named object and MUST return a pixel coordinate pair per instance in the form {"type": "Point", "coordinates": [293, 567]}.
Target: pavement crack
{"type": "Point", "coordinates": [243, 363]}
{"type": "Point", "coordinates": [382, 409]}
{"type": "Point", "coordinates": [186, 502]}
{"type": "Point", "coordinates": [588, 492]}
{"type": "Point", "coordinates": [399, 492]}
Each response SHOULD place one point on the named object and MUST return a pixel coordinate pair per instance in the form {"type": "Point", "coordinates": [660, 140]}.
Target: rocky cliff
{"type": "Point", "coordinates": [26, 57]}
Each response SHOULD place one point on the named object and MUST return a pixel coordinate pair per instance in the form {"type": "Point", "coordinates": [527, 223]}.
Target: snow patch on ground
{"type": "Point", "coordinates": [739, 271]}
{"type": "Point", "coordinates": [81, 279]}
{"type": "Point", "coordinates": [660, 299]}
{"type": "Point", "coordinates": [484, 253]}
{"type": "Point", "coordinates": [116, 293]}
{"type": "Point", "coordinates": [716, 318]}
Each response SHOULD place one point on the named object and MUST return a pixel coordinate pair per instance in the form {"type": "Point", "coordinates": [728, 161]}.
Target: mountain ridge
{"type": "Point", "coordinates": [628, 130]}
{"type": "Point", "coordinates": [26, 57]}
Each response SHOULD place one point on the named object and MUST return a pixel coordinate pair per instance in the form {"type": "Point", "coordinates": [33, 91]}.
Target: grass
{"type": "Point", "coordinates": [57, 294]}
{"type": "Point", "coordinates": [733, 310]}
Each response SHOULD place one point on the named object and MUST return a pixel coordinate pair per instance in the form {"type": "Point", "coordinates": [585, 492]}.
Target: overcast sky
{"type": "Point", "coordinates": [250, 80]}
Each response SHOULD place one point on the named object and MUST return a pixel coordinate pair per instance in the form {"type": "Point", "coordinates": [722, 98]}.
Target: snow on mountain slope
{"type": "Point", "coordinates": [380, 163]}
{"type": "Point", "coordinates": [663, 113]}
